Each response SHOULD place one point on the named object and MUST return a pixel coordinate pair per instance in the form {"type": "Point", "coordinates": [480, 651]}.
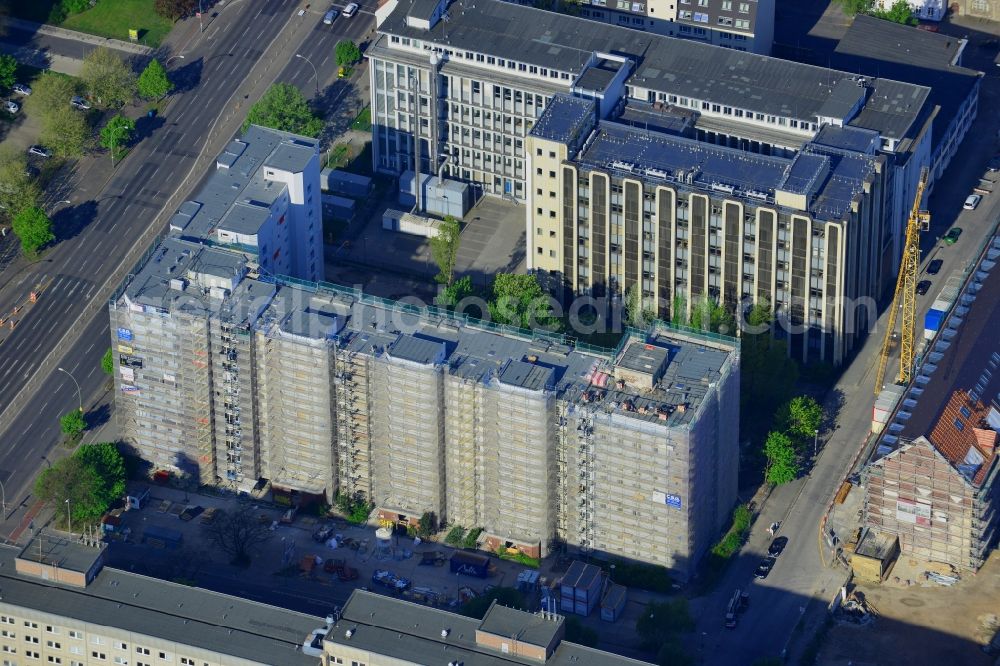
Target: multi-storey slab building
{"type": "Point", "coordinates": [637, 203]}
{"type": "Point", "coordinates": [471, 82]}
{"type": "Point", "coordinates": [932, 480]}
{"type": "Point", "coordinates": [321, 389]}
{"type": "Point", "coordinates": [381, 631]}
{"type": "Point", "coordinates": [742, 25]}
{"type": "Point", "coordinates": [61, 605]}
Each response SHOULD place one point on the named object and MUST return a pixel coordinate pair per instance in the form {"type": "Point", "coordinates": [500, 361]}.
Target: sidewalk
{"type": "Point", "coordinates": [63, 33]}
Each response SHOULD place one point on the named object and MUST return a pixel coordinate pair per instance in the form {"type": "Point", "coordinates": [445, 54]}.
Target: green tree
{"type": "Point", "coordinates": [153, 82]}
{"type": "Point", "coordinates": [18, 190]}
{"type": "Point", "coordinates": [238, 534]}
{"type": "Point", "coordinates": [506, 596]}
{"type": "Point", "coordinates": [347, 53]}
{"type": "Point", "coordinates": [800, 417]}
{"type": "Point", "coordinates": [427, 524]}
{"type": "Point", "coordinates": [518, 300]}
{"type": "Point", "coordinates": [452, 294]}
{"type": "Point", "coordinates": [636, 314]}
{"type": "Point", "coordinates": [72, 423]}
{"type": "Point", "coordinates": [70, 479]}
{"type": "Point", "coordinates": [115, 135]}
{"type": "Point", "coordinates": [444, 249]}
{"type": "Point", "coordinates": [767, 374]}
{"type": "Point", "coordinates": [708, 315]}
{"type": "Point", "coordinates": [33, 228]}
{"type": "Point", "coordinates": [8, 71]}
{"type": "Point", "coordinates": [174, 9]}
{"type": "Point", "coordinates": [63, 129]}
{"type": "Point", "coordinates": [898, 12]}
{"type": "Point", "coordinates": [283, 107]}
{"type": "Point", "coordinates": [105, 459]}
{"type": "Point", "coordinates": [108, 362]}
{"type": "Point", "coordinates": [678, 310]}
{"type": "Point", "coordinates": [852, 7]}
{"type": "Point", "coordinates": [782, 460]}
{"type": "Point", "coordinates": [108, 78]}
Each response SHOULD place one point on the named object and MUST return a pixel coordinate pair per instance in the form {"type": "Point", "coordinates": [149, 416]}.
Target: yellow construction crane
{"type": "Point", "coordinates": [905, 298]}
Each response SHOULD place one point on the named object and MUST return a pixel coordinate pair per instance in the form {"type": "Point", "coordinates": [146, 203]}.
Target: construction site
{"type": "Point", "coordinates": [237, 379]}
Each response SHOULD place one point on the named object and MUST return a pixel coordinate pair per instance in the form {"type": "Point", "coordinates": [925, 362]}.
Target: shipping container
{"type": "Point", "coordinates": [470, 564]}
{"type": "Point", "coordinates": [932, 322]}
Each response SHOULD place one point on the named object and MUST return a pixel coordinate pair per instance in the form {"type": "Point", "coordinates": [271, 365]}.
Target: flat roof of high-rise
{"type": "Point", "coordinates": [682, 67]}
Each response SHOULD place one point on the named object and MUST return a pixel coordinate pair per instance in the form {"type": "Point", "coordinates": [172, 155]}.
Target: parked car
{"type": "Point", "coordinates": [953, 235]}
{"type": "Point", "coordinates": [191, 512]}
{"type": "Point", "coordinates": [923, 287]}
{"type": "Point", "coordinates": [21, 89]}
{"type": "Point", "coordinates": [209, 515]}
{"type": "Point", "coordinates": [11, 107]}
{"type": "Point", "coordinates": [777, 546]}
{"type": "Point", "coordinates": [934, 267]}
{"type": "Point", "coordinates": [351, 9]}
{"type": "Point", "coordinates": [79, 102]}
{"type": "Point", "coordinates": [764, 568]}
{"type": "Point", "coordinates": [972, 201]}
{"type": "Point", "coordinates": [39, 151]}
{"type": "Point", "coordinates": [330, 16]}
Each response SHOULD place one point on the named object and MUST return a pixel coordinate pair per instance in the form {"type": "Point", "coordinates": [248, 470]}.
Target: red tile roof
{"type": "Point", "coordinates": [954, 441]}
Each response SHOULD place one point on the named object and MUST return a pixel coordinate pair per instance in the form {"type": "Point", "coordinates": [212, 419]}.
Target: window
{"type": "Point", "coordinates": [96, 640]}
{"type": "Point", "coordinates": [727, 5]}
{"type": "Point", "coordinates": [142, 650]}
{"type": "Point", "coordinates": [965, 412]}
{"type": "Point", "coordinates": [6, 619]}
{"type": "Point", "coordinates": [959, 425]}
{"type": "Point", "coordinates": [121, 660]}
{"type": "Point", "coordinates": [31, 639]}
{"type": "Point", "coordinates": [53, 644]}
{"type": "Point", "coordinates": [187, 662]}
{"type": "Point", "coordinates": [52, 630]}
{"type": "Point", "coordinates": [75, 634]}
{"type": "Point", "coordinates": [98, 655]}
{"type": "Point", "coordinates": [120, 646]}
{"type": "Point", "coordinates": [54, 660]}
{"type": "Point", "coordinates": [8, 634]}
{"type": "Point", "coordinates": [33, 625]}
{"type": "Point", "coordinates": [541, 251]}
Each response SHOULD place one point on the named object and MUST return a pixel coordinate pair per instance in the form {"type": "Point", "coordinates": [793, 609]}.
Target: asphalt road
{"type": "Point", "coordinates": [38, 46]}
{"type": "Point", "coordinates": [95, 234]}
{"type": "Point", "coordinates": [103, 230]}
{"type": "Point", "coordinates": [801, 583]}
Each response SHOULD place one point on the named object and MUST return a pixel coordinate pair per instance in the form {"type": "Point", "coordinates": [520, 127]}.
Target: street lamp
{"type": "Point", "coordinates": [3, 498]}
{"type": "Point", "coordinates": [69, 518]}
{"type": "Point", "coordinates": [79, 395]}
{"type": "Point", "coordinates": [815, 442]}
{"type": "Point", "coordinates": [315, 71]}
{"type": "Point", "coordinates": [171, 58]}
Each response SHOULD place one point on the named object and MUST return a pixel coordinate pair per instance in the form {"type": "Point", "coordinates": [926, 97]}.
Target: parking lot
{"type": "Point", "coordinates": [293, 570]}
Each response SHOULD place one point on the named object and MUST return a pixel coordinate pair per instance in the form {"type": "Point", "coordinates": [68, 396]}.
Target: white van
{"type": "Point", "coordinates": [329, 16]}
{"type": "Point", "coordinates": [351, 9]}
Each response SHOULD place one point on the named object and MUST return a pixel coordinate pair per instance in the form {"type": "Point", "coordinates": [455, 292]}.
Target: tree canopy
{"type": "Point", "coordinates": [238, 534]}
{"type": "Point", "coordinates": [154, 83]}
{"type": "Point", "coordinates": [108, 78]}
{"type": "Point", "coordinates": [174, 9]}
{"type": "Point", "coordinates": [636, 314]}
{"type": "Point", "coordinates": [72, 423]}
{"type": "Point", "coordinates": [283, 107]}
{"type": "Point", "coordinates": [8, 71]}
{"type": "Point", "coordinates": [899, 12]}
{"type": "Point", "coordinates": [116, 134]}
{"type": "Point", "coordinates": [33, 228]}
{"type": "Point", "coordinates": [347, 53]}
{"type": "Point", "coordinates": [444, 249]}
{"type": "Point", "coordinates": [518, 300]}
{"type": "Point", "coordinates": [63, 129]}
{"type": "Point", "coordinates": [800, 417]}
{"type": "Point", "coordinates": [782, 459]}
{"type": "Point", "coordinates": [18, 190]}
{"type": "Point", "coordinates": [92, 479]}
{"type": "Point", "coordinates": [108, 362]}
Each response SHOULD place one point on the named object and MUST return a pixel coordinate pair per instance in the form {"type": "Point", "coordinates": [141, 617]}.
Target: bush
{"type": "Point", "coordinates": [737, 534]}
{"type": "Point", "coordinates": [355, 511]}
{"type": "Point", "coordinates": [471, 539]}
{"type": "Point", "coordinates": [455, 536]}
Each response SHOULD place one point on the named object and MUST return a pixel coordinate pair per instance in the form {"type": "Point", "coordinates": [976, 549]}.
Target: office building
{"type": "Point", "coordinates": [475, 79]}
{"type": "Point", "coordinates": [875, 47]}
{"type": "Point", "coordinates": [381, 631]}
{"type": "Point", "coordinates": [60, 605]}
{"type": "Point", "coordinates": [743, 25]}
{"type": "Point", "coordinates": [932, 479]}
{"type": "Point", "coordinates": [636, 203]}
{"type": "Point", "coordinates": [233, 377]}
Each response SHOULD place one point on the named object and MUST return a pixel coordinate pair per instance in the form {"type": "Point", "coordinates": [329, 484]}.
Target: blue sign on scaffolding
{"type": "Point", "coordinates": [125, 334]}
{"type": "Point", "coordinates": [674, 501]}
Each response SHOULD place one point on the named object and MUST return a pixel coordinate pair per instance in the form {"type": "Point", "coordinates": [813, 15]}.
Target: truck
{"type": "Point", "coordinates": [737, 604]}
{"type": "Point", "coordinates": [470, 564]}
{"type": "Point", "coordinates": [932, 322]}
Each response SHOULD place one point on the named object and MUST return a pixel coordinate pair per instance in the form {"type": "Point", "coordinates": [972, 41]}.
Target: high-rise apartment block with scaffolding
{"type": "Point", "coordinates": [536, 439]}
